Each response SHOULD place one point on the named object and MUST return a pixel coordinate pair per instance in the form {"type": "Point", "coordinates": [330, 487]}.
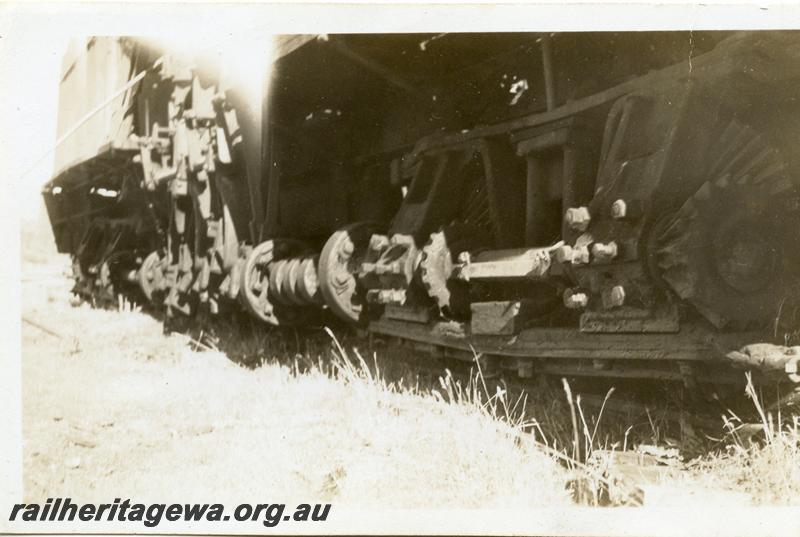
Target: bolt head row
{"type": "Point", "coordinates": [386, 296]}
{"type": "Point", "coordinates": [578, 218]}
{"type": "Point", "coordinates": [612, 298]}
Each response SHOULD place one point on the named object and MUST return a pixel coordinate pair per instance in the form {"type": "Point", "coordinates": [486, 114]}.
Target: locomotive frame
{"type": "Point", "coordinates": [593, 204]}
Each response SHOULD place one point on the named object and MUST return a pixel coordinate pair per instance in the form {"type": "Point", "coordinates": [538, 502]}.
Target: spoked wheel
{"type": "Point", "coordinates": [339, 263]}
{"type": "Point", "coordinates": [258, 298]}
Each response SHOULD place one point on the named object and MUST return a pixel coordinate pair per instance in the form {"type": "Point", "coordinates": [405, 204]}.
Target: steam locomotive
{"type": "Point", "coordinates": [592, 204]}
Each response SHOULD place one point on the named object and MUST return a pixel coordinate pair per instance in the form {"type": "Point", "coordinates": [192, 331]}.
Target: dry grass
{"type": "Point", "coordinates": [761, 459]}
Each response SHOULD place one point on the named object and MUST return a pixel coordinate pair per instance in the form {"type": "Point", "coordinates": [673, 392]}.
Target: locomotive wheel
{"type": "Point", "coordinates": [151, 276]}
{"type": "Point", "coordinates": [110, 282]}
{"type": "Point", "coordinates": [254, 288]}
{"type": "Point", "coordinates": [338, 265]}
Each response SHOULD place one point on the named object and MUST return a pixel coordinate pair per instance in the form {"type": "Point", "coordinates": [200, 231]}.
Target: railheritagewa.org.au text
{"type": "Point", "coordinates": [151, 515]}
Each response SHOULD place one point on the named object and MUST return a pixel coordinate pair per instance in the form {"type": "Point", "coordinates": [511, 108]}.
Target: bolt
{"type": "Point", "coordinates": [464, 258]}
{"type": "Point", "coordinates": [348, 248]}
{"type": "Point", "coordinates": [378, 242]}
{"type": "Point", "coordinates": [575, 300]}
{"type": "Point", "coordinates": [614, 297]}
{"type": "Point", "coordinates": [604, 252]}
{"type": "Point", "coordinates": [578, 218]}
{"type": "Point", "coordinates": [619, 209]}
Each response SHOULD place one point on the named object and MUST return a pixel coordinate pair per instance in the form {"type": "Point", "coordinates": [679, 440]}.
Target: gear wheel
{"type": "Point", "coordinates": [731, 249]}
{"type": "Point", "coordinates": [339, 262]}
{"type": "Point", "coordinates": [437, 263]}
{"type": "Point", "coordinates": [435, 268]}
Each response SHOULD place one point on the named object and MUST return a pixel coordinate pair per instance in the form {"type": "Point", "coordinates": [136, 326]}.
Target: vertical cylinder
{"type": "Point", "coordinates": [547, 67]}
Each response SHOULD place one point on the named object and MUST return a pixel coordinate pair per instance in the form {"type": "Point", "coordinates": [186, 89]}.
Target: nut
{"type": "Point", "coordinates": [464, 258]}
{"type": "Point", "coordinates": [614, 297]}
{"type": "Point", "coordinates": [574, 300]}
{"type": "Point", "coordinates": [619, 209]}
{"type": "Point", "coordinates": [603, 253]}
{"type": "Point", "coordinates": [578, 218]}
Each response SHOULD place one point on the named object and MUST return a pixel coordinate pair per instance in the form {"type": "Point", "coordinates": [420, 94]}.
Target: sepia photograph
{"type": "Point", "coordinates": [460, 269]}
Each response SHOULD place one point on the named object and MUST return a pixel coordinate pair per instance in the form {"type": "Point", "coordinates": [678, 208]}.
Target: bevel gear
{"type": "Point", "coordinates": [731, 250]}
{"type": "Point", "coordinates": [437, 263]}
